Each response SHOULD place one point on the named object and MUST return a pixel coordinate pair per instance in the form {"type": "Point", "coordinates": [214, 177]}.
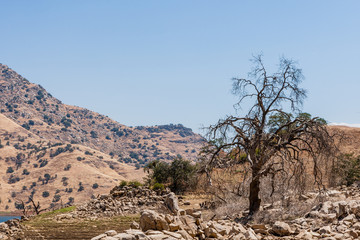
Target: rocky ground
{"type": "Point", "coordinates": [335, 216]}
{"type": "Point", "coordinates": [334, 219]}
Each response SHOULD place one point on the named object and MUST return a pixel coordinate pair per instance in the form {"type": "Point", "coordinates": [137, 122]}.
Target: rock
{"type": "Point", "coordinates": [211, 233]}
{"type": "Point", "coordinates": [325, 229]}
{"type": "Point", "coordinates": [238, 228]}
{"type": "Point", "coordinates": [221, 229]}
{"type": "Point", "coordinates": [111, 233]}
{"type": "Point", "coordinates": [174, 235]}
{"type": "Point", "coordinates": [259, 226]}
{"type": "Point", "coordinates": [3, 227]}
{"type": "Point", "coordinates": [350, 218]}
{"type": "Point", "coordinates": [304, 236]}
{"type": "Point", "coordinates": [161, 223]}
{"type": "Point", "coordinates": [134, 225]}
{"type": "Point", "coordinates": [148, 220]}
{"type": "Point", "coordinates": [341, 209]}
{"type": "Point", "coordinates": [281, 229]}
{"type": "Point", "coordinates": [172, 203]}
{"type": "Point", "coordinates": [3, 237]}
{"type": "Point", "coordinates": [189, 225]}
{"type": "Point", "coordinates": [197, 214]}
{"type": "Point", "coordinates": [99, 237]}
{"type": "Point", "coordinates": [250, 235]}
{"type": "Point", "coordinates": [184, 235]}
{"type": "Point", "coordinates": [124, 236]}
{"type": "Point", "coordinates": [174, 227]}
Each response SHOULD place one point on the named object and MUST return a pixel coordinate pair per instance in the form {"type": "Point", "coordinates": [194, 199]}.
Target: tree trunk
{"type": "Point", "coordinates": [254, 200]}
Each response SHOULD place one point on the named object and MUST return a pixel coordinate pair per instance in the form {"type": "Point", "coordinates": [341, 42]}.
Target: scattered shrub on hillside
{"type": "Point", "coordinates": [24, 188]}
{"type": "Point", "coordinates": [81, 187]}
{"type": "Point", "coordinates": [26, 126]}
{"type": "Point", "coordinates": [95, 186]}
{"type": "Point", "coordinates": [45, 194]}
{"type": "Point", "coordinates": [9, 170]}
{"type": "Point", "coordinates": [88, 153]}
{"type": "Point", "coordinates": [13, 179]}
{"type": "Point", "coordinates": [19, 206]}
{"type": "Point", "coordinates": [66, 122]}
{"type": "Point", "coordinates": [56, 198]}
{"type": "Point", "coordinates": [94, 134]}
{"type": "Point", "coordinates": [25, 172]}
{"type": "Point", "coordinates": [43, 163]}
{"type": "Point", "coordinates": [13, 194]}
{"type": "Point", "coordinates": [33, 184]}
{"type": "Point", "coordinates": [67, 168]}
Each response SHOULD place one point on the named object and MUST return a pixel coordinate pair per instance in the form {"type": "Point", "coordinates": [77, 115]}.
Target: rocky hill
{"type": "Point", "coordinates": [36, 110]}
{"type": "Point", "coordinates": [53, 173]}
{"type": "Point", "coordinates": [61, 154]}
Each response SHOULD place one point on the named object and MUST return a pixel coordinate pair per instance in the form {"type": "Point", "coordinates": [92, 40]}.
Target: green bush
{"type": "Point", "coordinates": [347, 169]}
{"type": "Point", "coordinates": [123, 183]}
{"type": "Point", "coordinates": [158, 186]}
{"type": "Point", "coordinates": [180, 175]}
{"type": "Point", "coordinates": [134, 184]}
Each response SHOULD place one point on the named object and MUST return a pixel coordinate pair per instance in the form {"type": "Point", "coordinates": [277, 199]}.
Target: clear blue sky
{"type": "Point", "coordinates": [158, 62]}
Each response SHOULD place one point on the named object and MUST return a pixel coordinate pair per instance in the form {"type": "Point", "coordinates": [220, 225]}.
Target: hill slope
{"type": "Point", "coordinates": [53, 172]}
{"type": "Point", "coordinates": [32, 107]}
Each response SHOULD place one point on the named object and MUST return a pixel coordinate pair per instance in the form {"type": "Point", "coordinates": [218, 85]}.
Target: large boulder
{"type": "Point", "coordinates": [151, 220]}
{"type": "Point", "coordinates": [148, 220]}
{"type": "Point", "coordinates": [172, 203]}
{"type": "Point", "coordinates": [281, 229]}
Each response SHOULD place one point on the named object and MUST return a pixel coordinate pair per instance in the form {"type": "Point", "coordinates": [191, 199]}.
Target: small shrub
{"type": "Point", "coordinates": [88, 153]}
{"type": "Point", "coordinates": [123, 183]}
{"type": "Point", "coordinates": [67, 168]}
{"type": "Point", "coordinates": [9, 170]}
{"type": "Point", "coordinates": [158, 186]}
{"type": "Point", "coordinates": [45, 194]}
{"type": "Point", "coordinates": [25, 172]}
{"type": "Point", "coordinates": [56, 198]}
{"type": "Point", "coordinates": [134, 184]}
{"type": "Point", "coordinates": [95, 186]}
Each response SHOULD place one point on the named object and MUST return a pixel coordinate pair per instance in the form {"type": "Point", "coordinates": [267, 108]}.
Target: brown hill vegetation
{"type": "Point", "coordinates": [53, 173]}
{"type": "Point", "coordinates": [36, 110]}
{"type": "Point", "coordinates": [61, 154]}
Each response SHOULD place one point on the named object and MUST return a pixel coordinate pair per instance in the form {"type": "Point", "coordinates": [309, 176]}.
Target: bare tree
{"type": "Point", "coordinates": [37, 207]}
{"type": "Point", "coordinates": [273, 137]}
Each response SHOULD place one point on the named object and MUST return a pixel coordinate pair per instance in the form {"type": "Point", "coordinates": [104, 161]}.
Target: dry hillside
{"type": "Point", "coordinates": [59, 153]}
{"type": "Point", "coordinates": [36, 110]}
{"type": "Point", "coordinates": [53, 172]}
